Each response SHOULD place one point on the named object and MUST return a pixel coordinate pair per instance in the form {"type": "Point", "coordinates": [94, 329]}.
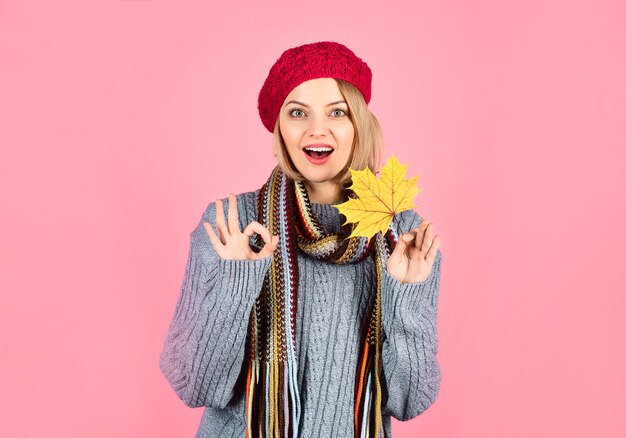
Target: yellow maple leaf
{"type": "Point", "coordinates": [378, 199]}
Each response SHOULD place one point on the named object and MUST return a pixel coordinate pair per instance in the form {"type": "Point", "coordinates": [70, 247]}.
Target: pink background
{"type": "Point", "coordinates": [121, 120]}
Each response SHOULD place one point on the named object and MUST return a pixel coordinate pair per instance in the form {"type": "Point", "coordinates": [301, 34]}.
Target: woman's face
{"type": "Point", "coordinates": [316, 129]}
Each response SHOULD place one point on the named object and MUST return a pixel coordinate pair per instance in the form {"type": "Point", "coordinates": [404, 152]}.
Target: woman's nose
{"type": "Point", "coordinates": [318, 126]}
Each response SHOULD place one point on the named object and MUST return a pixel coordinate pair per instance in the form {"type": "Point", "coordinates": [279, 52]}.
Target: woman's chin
{"type": "Point", "coordinates": [317, 179]}
{"type": "Point", "coordinates": [317, 173]}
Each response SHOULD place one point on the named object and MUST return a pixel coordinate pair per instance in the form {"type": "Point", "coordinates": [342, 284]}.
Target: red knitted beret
{"type": "Point", "coordinates": [324, 59]}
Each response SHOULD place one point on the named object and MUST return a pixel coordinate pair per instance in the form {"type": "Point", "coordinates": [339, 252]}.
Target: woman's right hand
{"type": "Point", "coordinates": [232, 243]}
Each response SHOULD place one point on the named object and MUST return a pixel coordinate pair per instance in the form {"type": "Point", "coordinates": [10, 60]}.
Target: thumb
{"type": "Point", "coordinates": [398, 252]}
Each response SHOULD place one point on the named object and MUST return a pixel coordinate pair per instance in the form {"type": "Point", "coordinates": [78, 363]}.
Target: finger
{"type": "Point", "coordinates": [398, 251]}
{"type": "Point", "coordinates": [408, 237]}
{"type": "Point", "coordinates": [215, 241]}
{"type": "Point", "coordinates": [233, 216]}
{"type": "Point", "coordinates": [420, 231]}
{"type": "Point", "coordinates": [256, 227]}
{"type": "Point", "coordinates": [411, 239]}
{"type": "Point", "coordinates": [268, 248]}
{"type": "Point", "coordinates": [414, 252]}
{"type": "Point", "coordinates": [428, 237]}
{"type": "Point", "coordinates": [432, 252]}
{"type": "Point", "coordinates": [219, 220]}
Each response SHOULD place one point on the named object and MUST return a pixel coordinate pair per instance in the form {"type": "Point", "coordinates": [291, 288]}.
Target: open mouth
{"type": "Point", "coordinates": [318, 152]}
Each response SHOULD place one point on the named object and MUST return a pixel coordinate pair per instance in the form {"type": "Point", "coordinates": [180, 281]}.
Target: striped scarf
{"type": "Point", "coordinates": [273, 407]}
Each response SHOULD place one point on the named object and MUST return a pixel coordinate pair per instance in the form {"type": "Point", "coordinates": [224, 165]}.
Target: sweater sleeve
{"type": "Point", "coordinates": [409, 351]}
{"type": "Point", "coordinates": [205, 346]}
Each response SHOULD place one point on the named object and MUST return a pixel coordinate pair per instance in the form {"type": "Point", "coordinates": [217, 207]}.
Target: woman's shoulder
{"type": "Point", "coordinates": [249, 197]}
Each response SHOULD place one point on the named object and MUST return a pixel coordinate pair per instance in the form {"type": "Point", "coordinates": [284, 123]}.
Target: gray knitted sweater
{"type": "Point", "coordinates": [204, 354]}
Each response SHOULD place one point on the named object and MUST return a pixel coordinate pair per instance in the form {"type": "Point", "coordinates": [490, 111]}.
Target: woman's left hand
{"type": "Point", "coordinates": [412, 259]}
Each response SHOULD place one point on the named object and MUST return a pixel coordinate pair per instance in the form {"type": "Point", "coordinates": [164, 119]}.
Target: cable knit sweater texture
{"type": "Point", "coordinates": [205, 352]}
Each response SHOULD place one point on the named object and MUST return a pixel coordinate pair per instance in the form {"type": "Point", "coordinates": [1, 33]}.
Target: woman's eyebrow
{"type": "Point", "coordinates": [305, 105]}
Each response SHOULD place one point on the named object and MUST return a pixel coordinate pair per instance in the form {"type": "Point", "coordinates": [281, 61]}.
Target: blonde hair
{"type": "Point", "coordinates": [367, 145]}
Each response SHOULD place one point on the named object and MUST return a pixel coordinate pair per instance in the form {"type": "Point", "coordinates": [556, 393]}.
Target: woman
{"type": "Point", "coordinates": [285, 326]}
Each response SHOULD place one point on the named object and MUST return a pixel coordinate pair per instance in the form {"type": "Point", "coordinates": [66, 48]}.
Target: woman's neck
{"type": "Point", "coordinates": [327, 192]}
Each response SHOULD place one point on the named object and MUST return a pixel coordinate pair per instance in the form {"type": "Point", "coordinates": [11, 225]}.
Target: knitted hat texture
{"type": "Point", "coordinates": [324, 59]}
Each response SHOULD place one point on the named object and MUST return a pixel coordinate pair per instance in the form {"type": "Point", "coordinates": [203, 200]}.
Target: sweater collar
{"type": "Point", "coordinates": [328, 215]}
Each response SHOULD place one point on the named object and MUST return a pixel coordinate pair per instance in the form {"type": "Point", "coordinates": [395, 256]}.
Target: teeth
{"type": "Point", "coordinates": [319, 149]}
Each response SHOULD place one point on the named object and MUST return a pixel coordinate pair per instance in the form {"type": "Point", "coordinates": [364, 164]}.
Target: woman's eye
{"type": "Point", "coordinates": [339, 112]}
{"type": "Point", "coordinates": [297, 113]}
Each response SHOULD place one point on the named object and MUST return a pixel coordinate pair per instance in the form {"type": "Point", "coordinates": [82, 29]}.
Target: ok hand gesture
{"type": "Point", "coordinates": [412, 259]}
{"type": "Point", "coordinates": [232, 243]}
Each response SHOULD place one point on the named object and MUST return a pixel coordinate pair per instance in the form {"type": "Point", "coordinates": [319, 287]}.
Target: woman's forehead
{"type": "Point", "coordinates": [316, 91]}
